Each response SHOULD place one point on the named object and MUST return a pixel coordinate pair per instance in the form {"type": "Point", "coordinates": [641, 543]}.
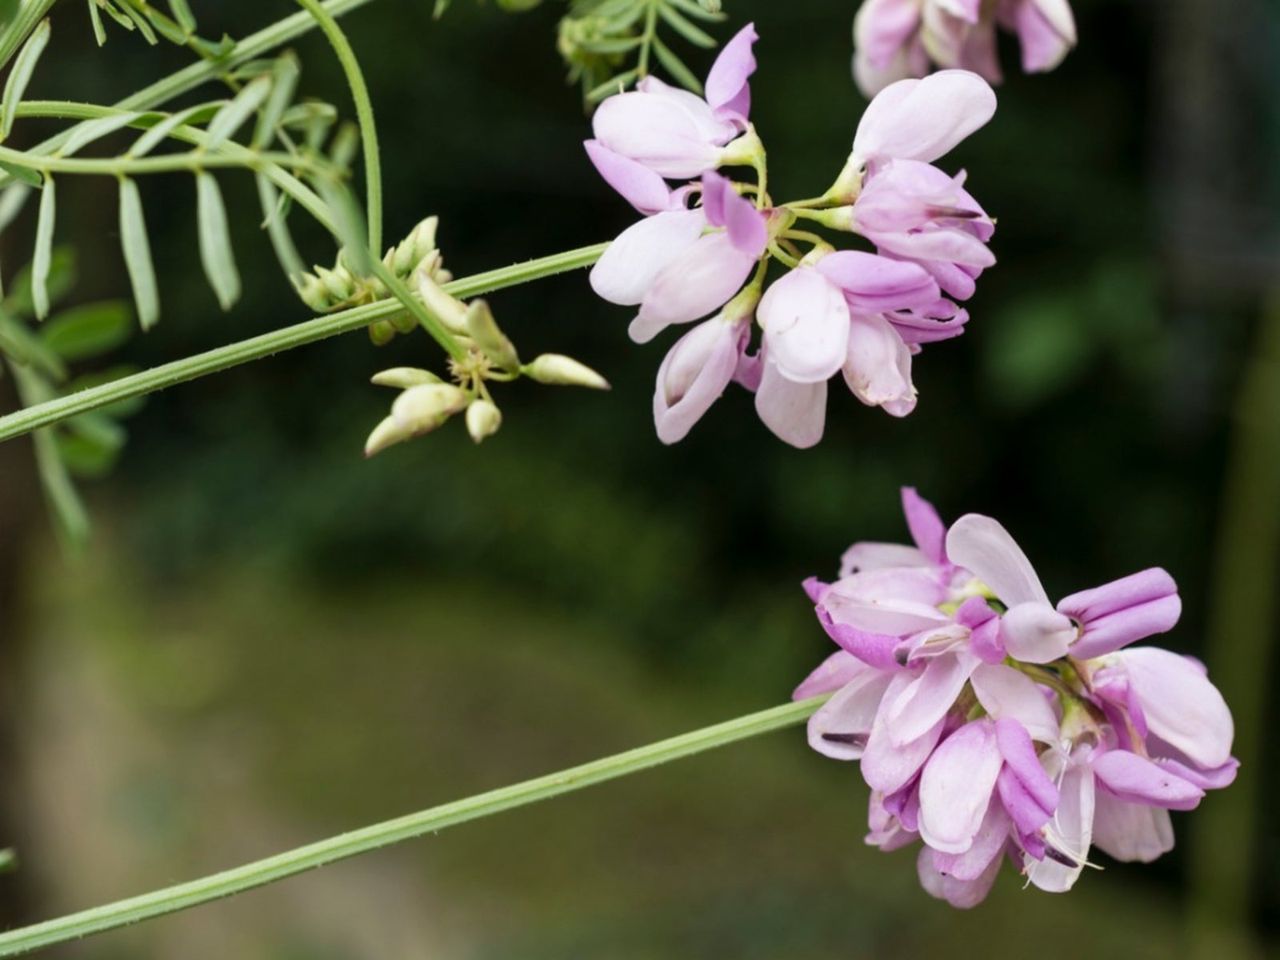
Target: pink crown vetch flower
{"type": "Point", "coordinates": [675, 133]}
{"type": "Point", "coordinates": [982, 756]}
{"type": "Point", "coordinates": [897, 39]}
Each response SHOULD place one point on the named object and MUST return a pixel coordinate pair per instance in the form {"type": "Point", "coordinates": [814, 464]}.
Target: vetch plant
{"type": "Point", "coordinates": [894, 39]}
{"type": "Point", "coordinates": [860, 314]}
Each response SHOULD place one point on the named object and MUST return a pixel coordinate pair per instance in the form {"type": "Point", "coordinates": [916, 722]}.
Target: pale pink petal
{"type": "Point", "coordinates": [842, 726]}
{"type": "Point", "coordinates": [1034, 632]}
{"type": "Point", "coordinates": [1070, 832]}
{"type": "Point", "coordinates": [889, 767]}
{"type": "Point", "coordinates": [877, 367]}
{"type": "Point", "coordinates": [962, 894]}
{"type": "Point", "coordinates": [1007, 694]}
{"type": "Point", "coordinates": [672, 136]}
{"type": "Point", "coordinates": [795, 412]}
{"type": "Point", "coordinates": [1181, 706]}
{"type": "Point", "coordinates": [630, 265]}
{"type": "Point", "coordinates": [927, 528]}
{"type": "Point", "coordinates": [830, 675]}
{"type": "Point", "coordinates": [694, 374]}
{"type": "Point", "coordinates": [956, 787]}
{"type": "Point", "coordinates": [700, 281]}
{"type": "Point", "coordinates": [638, 185]}
{"type": "Point", "coordinates": [985, 549]}
{"type": "Point", "coordinates": [806, 326]}
{"type": "Point", "coordinates": [1138, 780]}
{"type": "Point", "coordinates": [873, 556]}
{"type": "Point", "coordinates": [988, 844]}
{"type": "Point", "coordinates": [924, 119]}
{"type": "Point", "coordinates": [1131, 832]}
{"type": "Point", "coordinates": [925, 700]}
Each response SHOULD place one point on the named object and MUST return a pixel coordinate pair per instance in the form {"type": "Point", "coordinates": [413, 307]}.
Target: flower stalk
{"type": "Point", "coordinates": [278, 867]}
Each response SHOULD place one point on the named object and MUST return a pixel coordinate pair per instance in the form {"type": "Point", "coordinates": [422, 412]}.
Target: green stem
{"type": "Point", "coordinates": [320, 328]}
{"type": "Point", "coordinates": [345, 845]}
{"type": "Point", "coordinates": [190, 77]}
{"type": "Point", "coordinates": [29, 13]}
{"type": "Point", "coordinates": [400, 290]}
{"type": "Point", "coordinates": [169, 163]}
{"type": "Point", "coordinates": [251, 159]}
{"type": "Point", "coordinates": [364, 116]}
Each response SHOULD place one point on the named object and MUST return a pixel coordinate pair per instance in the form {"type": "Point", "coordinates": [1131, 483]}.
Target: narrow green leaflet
{"type": "Point", "coordinates": [40, 261]}
{"type": "Point", "coordinates": [137, 254]}
{"type": "Point", "coordinates": [273, 213]}
{"type": "Point", "coordinates": [16, 85]}
{"type": "Point", "coordinates": [676, 67]}
{"type": "Point", "coordinates": [685, 27]}
{"type": "Point", "coordinates": [20, 344]}
{"type": "Point", "coordinates": [215, 241]}
{"type": "Point", "coordinates": [284, 80]}
{"type": "Point", "coordinates": [231, 117]}
{"type": "Point", "coordinates": [153, 137]}
{"type": "Point", "coordinates": [91, 130]}
{"type": "Point", "coordinates": [95, 17]}
{"type": "Point", "coordinates": [182, 13]}
{"type": "Point", "coordinates": [59, 490]}
{"type": "Point", "coordinates": [88, 330]}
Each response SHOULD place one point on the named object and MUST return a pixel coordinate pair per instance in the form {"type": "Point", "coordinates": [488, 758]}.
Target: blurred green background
{"type": "Point", "coordinates": [269, 639]}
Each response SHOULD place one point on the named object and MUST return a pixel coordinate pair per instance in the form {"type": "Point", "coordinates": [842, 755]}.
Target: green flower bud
{"type": "Point", "coordinates": [558, 369]}
{"type": "Point", "coordinates": [381, 333]}
{"type": "Point", "coordinates": [483, 420]}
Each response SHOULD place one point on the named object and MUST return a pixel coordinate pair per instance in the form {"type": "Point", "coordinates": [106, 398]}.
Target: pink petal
{"type": "Point", "coordinates": [795, 412]}
{"type": "Point", "coordinates": [889, 767]}
{"type": "Point", "coordinates": [956, 787]}
{"type": "Point", "coordinates": [875, 284]}
{"type": "Point", "coordinates": [832, 674]}
{"type": "Point", "coordinates": [672, 136]}
{"type": "Point", "coordinates": [988, 844]}
{"type": "Point", "coordinates": [1034, 632]}
{"type": "Point", "coordinates": [806, 326]}
{"type": "Point", "coordinates": [1181, 706]}
{"type": "Point", "coordinates": [924, 119]}
{"type": "Point", "coordinates": [694, 374]}
{"type": "Point", "coordinates": [630, 265]}
{"type": "Point", "coordinates": [1138, 780]}
{"type": "Point", "coordinates": [842, 726]}
{"type": "Point", "coordinates": [927, 528]}
{"type": "Point", "coordinates": [985, 549]}
{"type": "Point", "coordinates": [726, 208]}
{"type": "Point", "coordinates": [962, 894]}
{"type": "Point", "coordinates": [877, 367]}
{"type": "Point", "coordinates": [727, 89]}
{"type": "Point", "coordinates": [925, 700]}
{"type": "Point", "coordinates": [1131, 832]}
{"type": "Point", "coordinates": [1007, 694]}
{"type": "Point", "coordinates": [700, 281]}
{"type": "Point", "coordinates": [638, 185]}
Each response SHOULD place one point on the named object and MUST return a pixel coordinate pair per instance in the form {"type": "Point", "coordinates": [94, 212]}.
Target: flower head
{"type": "Point", "coordinates": [989, 724]}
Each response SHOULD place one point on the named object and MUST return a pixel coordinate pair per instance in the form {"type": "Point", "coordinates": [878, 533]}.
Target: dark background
{"type": "Point", "coordinates": [269, 639]}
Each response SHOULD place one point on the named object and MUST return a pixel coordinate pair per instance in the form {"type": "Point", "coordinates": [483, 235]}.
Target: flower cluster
{"type": "Point", "coordinates": [894, 39]}
{"type": "Point", "coordinates": [991, 723]}
{"type": "Point", "coordinates": [859, 313]}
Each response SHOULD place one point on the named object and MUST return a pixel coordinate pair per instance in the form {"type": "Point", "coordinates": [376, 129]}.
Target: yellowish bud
{"type": "Point", "coordinates": [556, 368]}
{"type": "Point", "coordinates": [483, 420]}
{"type": "Point", "coordinates": [404, 377]}
{"type": "Point", "coordinates": [491, 340]}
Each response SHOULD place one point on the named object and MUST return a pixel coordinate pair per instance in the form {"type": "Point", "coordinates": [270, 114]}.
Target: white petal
{"type": "Point", "coordinates": [985, 549]}
{"type": "Point", "coordinates": [924, 119]}
{"type": "Point", "coordinates": [629, 266]}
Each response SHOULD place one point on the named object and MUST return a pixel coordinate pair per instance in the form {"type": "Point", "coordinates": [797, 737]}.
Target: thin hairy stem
{"type": "Point", "coordinates": [261, 872]}
{"type": "Point", "coordinates": [364, 117]}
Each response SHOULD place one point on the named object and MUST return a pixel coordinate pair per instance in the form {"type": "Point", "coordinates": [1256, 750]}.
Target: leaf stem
{"type": "Point", "coordinates": [364, 116]}
{"type": "Point", "coordinates": [271, 869]}
{"type": "Point", "coordinates": [277, 341]}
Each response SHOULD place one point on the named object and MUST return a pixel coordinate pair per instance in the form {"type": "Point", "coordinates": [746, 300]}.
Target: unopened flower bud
{"type": "Point", "coordinates": [483, 420]}
{"type": "Point", "coordinates": [312, 292]}
{"type": "Point", "coordinates": [403, 322]}
{"type": "Point", "coordinates": [387, 433]}
{"type": "Point", "coordinates": [381, 332]}
{"type": "Point", "coordinates": [426, 406]}
{"type": "Point", "coordinates": [492, 342]}
{"type": "Point", "coordinates": [404, 377]}
{"type": "Point", "coordinates": [420, 242]}
{"type": "Point", "coordinates": [558, 369]}
{"type": "Point", "coordinates": [451, 311]}
{"type": "Point", "coordinates": [338, 282]}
